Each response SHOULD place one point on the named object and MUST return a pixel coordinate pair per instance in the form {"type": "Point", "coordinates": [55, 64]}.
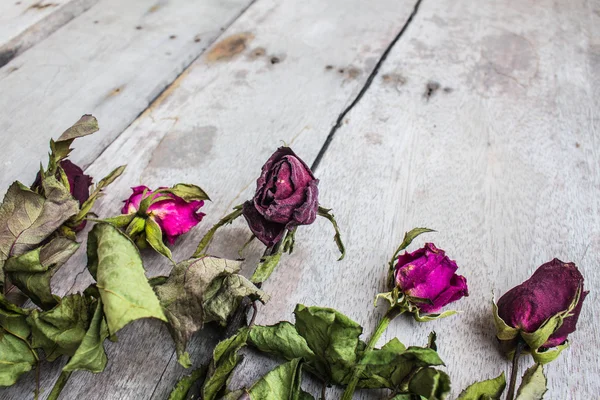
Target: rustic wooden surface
{"type": "Point", "coordinates": [481, 123]}
{"type": "Point", "coordinates": [23, 23]}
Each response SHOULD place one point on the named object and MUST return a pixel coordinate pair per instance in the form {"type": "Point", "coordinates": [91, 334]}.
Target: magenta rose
{"type": "Point", "coordinates": [286, 196]}
{"type": "Point", "coordinates": [429, 274]}
{"type": "Point", "coordinates": [550, 290]}
{"type": "Point", "coordinates": [174, 215]}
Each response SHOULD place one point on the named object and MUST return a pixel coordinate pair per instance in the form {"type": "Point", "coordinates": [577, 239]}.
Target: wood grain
{"type": "Point", "coordinates": [24, 23]}
{"type": "Point", "coordinates": [111, 61]}
{"type": "Point", "coordinates": [266, 81]}
{"type": "Point", "coordinates": [483, 125]}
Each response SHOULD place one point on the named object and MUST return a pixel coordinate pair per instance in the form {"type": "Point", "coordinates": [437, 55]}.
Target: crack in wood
{"type": "Point", "coordinates": [364, 89]}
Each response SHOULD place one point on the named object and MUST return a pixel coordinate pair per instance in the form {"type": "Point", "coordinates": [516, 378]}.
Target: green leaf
{"type": "Point", "coordinates": [536, 339]}
{"type": "Point", "coordinates": [188, 192]}
{"type": "Point", "coordinates": [266, 266]}
{"type": "Point", "coordinates": [184, 385]}
{"type": "Point", "coordinates": [115, 263]}
{"type": "Point", "coordinates": [120, 221]}
{"type": "Point", "coordinates": [325, 212]}
{"type": "Point", "coordinates": [60, 331]}
{"type": "Point", "coordinates": [13, 319]}
{"type": "Point", "coordinates": [27, 218]}
{"type": "Point", "coordinates": [95, 195]}
{"type": "Point", "coordinates": [391, 365]}
{"type": "Point", "coordinates": [225, 359]}
{"type": "Point", "coordinates": [199, 291]}
{"type": "Point", "coordinates": [224, 296]}
{"type": "Point", "coordinates": [86, 125]}
{"type": "Point", "coordinates": [16, 358]}
{"type": "Point", "coordinates": [430, 383]}
{"type": "Point", "coordinates": [90, 354]}
{"type": "Point", "coordinates": [32, 272]}
{"type": "Point", "coordinates": [154, 237]}
{"type": "Point", "coordinates": [546, 355]}
{"type": "Point", "coordinates": [137, 226]}
{"type": "Point", "coordinates": [110, 178]}
{"type": "Point", "coordinates": [205, 242]}
{"type": "Point", "coordinates": [282, 383]}
{"type": "Point", "coordinates": [431, 317]}
{"type": "Point", "coordinates": [282, 340]}
{"type": "Point", "coordinates": [503, 330]}
{"type": "Point", "coordinates": [408, 238]}
{"type": "Point", "coordinates": [534, 384]}
{"type": "Point", "coordinates": [490, 389]}
{"type": "Point", "coordinates": [333, 337]}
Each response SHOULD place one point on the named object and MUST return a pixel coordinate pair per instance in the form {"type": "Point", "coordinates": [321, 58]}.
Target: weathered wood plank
{"type": "Point", "coordinates": [111, 61]}
{"type": "Point", "coordinates": [483, 125]}
{"type": "Point", "coordinates": [267, 79]}
{"type": "Point", "coordinates": [23, 23]}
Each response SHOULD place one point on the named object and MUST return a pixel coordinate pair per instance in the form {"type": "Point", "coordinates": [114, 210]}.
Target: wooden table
{"type": "Point", "coordinates": [478, 119]}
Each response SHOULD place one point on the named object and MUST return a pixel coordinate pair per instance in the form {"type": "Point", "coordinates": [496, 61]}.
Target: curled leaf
{"type": "Point", "coordinates": [326, 213]}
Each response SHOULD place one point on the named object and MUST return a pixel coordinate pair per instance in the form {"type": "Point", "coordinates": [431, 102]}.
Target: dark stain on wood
{"type": "Point", "coordinates": [329, 67]}
{"type": "Point", "coordinates": [40, 6]}
{"type": "Point", "coordinates": [393, 79]}
{"type": "Point", "coordinates": [229, 47]}
{"type": "Point", "coordinates": [173, 37]}
{"type": "Point", "coordinates": [430, 88]}
{"type": "Point", "coordinates": [7, 55]}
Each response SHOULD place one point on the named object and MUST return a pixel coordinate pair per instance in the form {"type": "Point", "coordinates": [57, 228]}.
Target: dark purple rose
{"type": "Point", "coordinates": [429, 274]}
{"type": "Point", "coordinates": [79, 183]}
{"type": "Point", "coordinates": [550, 290]}
{"type": "Point", "coordinates": [175, 216]}
{"type": "Point", "coordinates": [286, 196]}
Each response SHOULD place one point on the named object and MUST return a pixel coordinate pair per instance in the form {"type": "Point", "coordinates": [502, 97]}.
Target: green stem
{"type": "Point", "coordinates": [515, 368]}
{"type": "Point", "coordinates": [59, 385]}
{"type": "Point", "coordinates": [360, 367]}
{"type": "Point", "coordinates": [205, 242]}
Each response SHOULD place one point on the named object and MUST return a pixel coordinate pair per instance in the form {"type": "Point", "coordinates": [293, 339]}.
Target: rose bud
{"type": "Point", "coordinates": [427, 277]}
{"type": "Point", "coordinates": [543, 310]}
{"type": "Point", "coordinates": [174, 215]}
{"type": "Point", "coordinates": [79, 185]}
{"type": "Point", "coordinates": [286, 196]}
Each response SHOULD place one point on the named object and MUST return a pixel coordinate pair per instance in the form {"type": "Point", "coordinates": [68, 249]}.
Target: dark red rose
{"type": "Point", "coordinates": [550, 290]}
{"type": "Point", "coordinates": [79, 185]}
{"type": "Point", "coordinates": [286, 196]}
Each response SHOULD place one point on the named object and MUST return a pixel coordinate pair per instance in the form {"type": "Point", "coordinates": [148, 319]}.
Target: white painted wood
{"type": "Point", "coordinates": [505, 164]}
{"type": "Point", "coordinates": [23, 23]}
{"type": "Point", "coordinates": [264, 82]}
{"type": "Point", "coordinates": [111, 61]}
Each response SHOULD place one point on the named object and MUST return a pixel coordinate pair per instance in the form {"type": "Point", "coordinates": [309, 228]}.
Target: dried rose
{"type": "Point", "coordinates": [286, 196]}
{"type": "Point", "coordinates": [174, 215]}
{"type": "Point", "coordinates": [79, 183]}
{"type": "Point", "coordinates": [428, 276]}
{"type": "Point", "coordinates": [544, 309]}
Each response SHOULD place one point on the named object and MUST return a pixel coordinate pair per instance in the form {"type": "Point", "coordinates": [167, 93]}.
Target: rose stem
{"type": "Point", "coordinates": [59, 385]}
{"type": "Point", "coordinates": [515, 368]}
{"type": "Point", "coordinates": [323, 390]}
{"type": "Point", "coordinates": [392, 313]}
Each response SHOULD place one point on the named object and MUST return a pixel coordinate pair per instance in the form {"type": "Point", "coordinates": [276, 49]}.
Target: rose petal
{"type": "Point", "coordinates": [176, 216]}
{"type": "Point", "coordinates": [267, 232]}
{"type": "Point", "coordinates": [132, 204]}
{"type": "Point", "coordinates": [457, 290]}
